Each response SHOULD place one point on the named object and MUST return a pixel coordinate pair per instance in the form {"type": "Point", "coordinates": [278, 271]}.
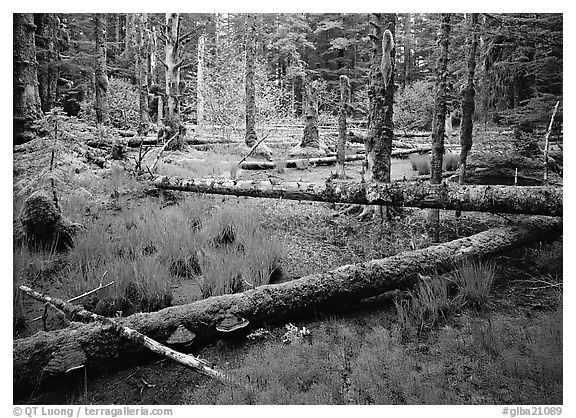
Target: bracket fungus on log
{"type": "Point", "coordinates": [231, 323]}
{"type": "Point", "coordinates": [182, 336]}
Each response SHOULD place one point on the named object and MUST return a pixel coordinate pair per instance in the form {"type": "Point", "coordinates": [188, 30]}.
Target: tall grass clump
{"type": "Point", "coordinates": [237, 255]}
{"type": "Point", "coordinates": [427, 306]}
{"type": "Point", "coordinates": [474, 281]}
{"type": "Point", "coordinates": [420, 163]}
{"type": "Point", "coordinates": [140, 285]}
{"type": "Point", "coordinates": [450, 161]}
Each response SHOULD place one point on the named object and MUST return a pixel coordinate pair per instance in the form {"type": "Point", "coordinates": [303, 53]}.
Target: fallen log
{"type": "Point", "coordinates": [135, 142]}
{"type": "Point", "coordinates": [76, 311]}
{"type": "Point", "coordinates": [103, 350]}
{"type": "Point", "coordinates": [269, 165]}
{"type": "Point", "coordinates": [529, 200]}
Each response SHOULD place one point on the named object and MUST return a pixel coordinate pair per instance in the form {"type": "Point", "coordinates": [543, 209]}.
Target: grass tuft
{"type": "Point", "coordinates": [450, 161]}
{"type": "Point", "coordinates": [474, 281]}
{"type": "Point", "coordinates": [421, 163]}
{"type": "Point", "coordinates": [427, 306]}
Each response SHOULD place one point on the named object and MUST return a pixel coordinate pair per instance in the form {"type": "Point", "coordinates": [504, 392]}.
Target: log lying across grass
{"type": "Point", "coordinates": [101, 347]}
{"type": "Point", "coordinates": [148, 141]}
{"type": "Point", "coordinates": [532, 200]}
{"type": "Point", "coordinates": [269, 165]}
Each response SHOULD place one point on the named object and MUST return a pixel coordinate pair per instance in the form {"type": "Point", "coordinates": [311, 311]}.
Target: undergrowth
{"type": "Point", "coordinates": [145, 250]}
{"type": "Point", "coordinates": [501, 359]}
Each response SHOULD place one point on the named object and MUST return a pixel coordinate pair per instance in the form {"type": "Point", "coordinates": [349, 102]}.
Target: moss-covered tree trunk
{"type": "Point", "coordinates": [532, 200]}
{"type": "Point", "coordinates": [101, 77]}
{"type": "Point", "coordinates": [468, 94]}
{"type": "Point", "coordinates": [101, 347]}
{"type": "Point", "coordinates": [311, 137]}
{"type": "Point", "coordinates": [27, 106]}
{"type": "Point", "coordinates": [342, 115]}
{"type": "Point", "coordinates": [47, 29]}
{"type": "Point", "coordinates": [439, 121]}
{"type": "Point", "coordinates": [141, 65]}
{"type": "Point", "coordinates": [378, 143]}
{"type": "Point", "coordinates": [250, 135]}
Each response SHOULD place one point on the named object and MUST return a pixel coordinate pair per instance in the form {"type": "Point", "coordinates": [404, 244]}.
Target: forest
{"type": "Point", "coordinates": [288, 208]}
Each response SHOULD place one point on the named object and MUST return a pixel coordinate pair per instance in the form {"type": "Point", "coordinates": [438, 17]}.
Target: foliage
{"type": "Point", "coordinates": [123, 103]}
{"type": "Point", "coordinates": [414, 106]}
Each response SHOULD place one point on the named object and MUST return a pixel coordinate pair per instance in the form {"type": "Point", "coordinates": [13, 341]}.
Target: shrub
{"type": "Point", "coordinates": [474, 281]}
{"type": "Point", "coordinates": [123, 102]}
{"type": "Point", "coordinates": [414, 106]}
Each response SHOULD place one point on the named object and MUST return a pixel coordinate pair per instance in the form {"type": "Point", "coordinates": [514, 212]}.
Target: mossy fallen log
{"type": "Point", "coordinates": [101, 349]}
{"type": "Point", "coordinates": [331, 160]}
{"type": "Point", "coordinates": [534, 200]}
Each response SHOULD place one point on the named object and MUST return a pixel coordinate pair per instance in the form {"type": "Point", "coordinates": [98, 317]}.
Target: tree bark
{"type": "Point", "coordinates": [381, 94]}
{"type": "Point", "coordinates": [342, 131]}
{"type": "Point", "coordinates": [200, 117]}
{"type": "Point", "coordinates": [104, 350]}
{"type": "Point", "coordinates": [439, 121]}
{"type": "Point", "coordinates": [468, 93]}
{"type": "Point", "coordinates": [172, 65]}
{"type": "Point", "coordinates": [27, 107]}
{"type": "Point", "coordinates": [47, 28]}
{"type": "Point", "coordinates": [250, 137]}
{"type": "Point", "coordinates": [530, 200]}
{"type": "Point", "coordinates": [102, 113]}
{"type": "Point", "coordinates": [142, 53]}
{"type": "Point", "coordinates": [311, 137]}
{"type": "Point", "coordinates": [330, 160]}
{"type": "Point", "coordinates": [129, 36]}
{"type": "Point", "coordinates": [407, 47]}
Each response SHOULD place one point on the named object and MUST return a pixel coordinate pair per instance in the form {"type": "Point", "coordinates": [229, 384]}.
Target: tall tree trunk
{"type": "Point", "coordinates": [381, 94]}
{"type": "Point", "coordinates": [27, 108]}
{"type": "Point", "coordinates": [172, 64]}
{"type": "Point", "coordinates": [342, 114]}
{"type": "Point", "coordinates": [143, 51]}
{"type": "Point", "coordinates": [117, 31]}
{"type": "Point", "coordinates": [468, 94]}
{"type": "Point", "coordinates": [378, 143]}
{"type": "Point", "coordinates": [129, 36]}
{"type": "Point", "coordinates": [200, 116]}
{"type": "Point", "coordinates": [311, 137]}
{"type": "Point", "coordinates": [407, 47]}
{"type": "Point", "coordinates": [250, 136]}
{"type": "Point", "coordinates": [101, 78]}
{"type": "Point", "coordinates": [439, 121]}
{"type": "Point", "coordinates": [47, 28]}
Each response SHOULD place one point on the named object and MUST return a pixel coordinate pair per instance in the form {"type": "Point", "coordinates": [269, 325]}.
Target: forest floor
{"type": "Point", "coordinates": [510, 352]}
